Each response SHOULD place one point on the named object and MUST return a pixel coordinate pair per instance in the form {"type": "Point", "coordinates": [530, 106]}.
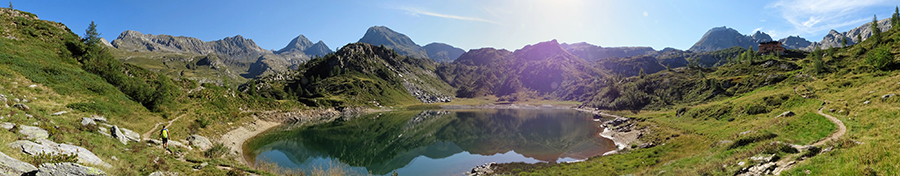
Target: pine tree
{"type": "Point", "coordinates": [895, 19]}
{"type": "Point", "coordinates": [641, 73]}
{"type": "Point", "coordinates": [10, 5]}
{"type": "Point", "coordinates": [875, 30]}
{"type": "Point", "coordinates": [844, 42]}
{"type": "Point", "coordinates": [91, 36]}
{"type": "Point", "coordinates": [858, 37]}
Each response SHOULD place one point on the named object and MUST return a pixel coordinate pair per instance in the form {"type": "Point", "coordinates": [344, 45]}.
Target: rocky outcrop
{"type": "Point", "coordinates": [267, 65]}
{"type": "Point", "coordinates": [53, 148]}
{"type": "Point", "coordinates": [200, 142]}
{"type": "Point", "coordinates": [723, 37]}
{"type": "Point", "coordinates": [105, 42]}
{"type": "Point", "coordinates": [12, 166]}
{"type": "Point", "coordinates": [833, 39]}
{"type": "Point", "coordinates": [51, 169]}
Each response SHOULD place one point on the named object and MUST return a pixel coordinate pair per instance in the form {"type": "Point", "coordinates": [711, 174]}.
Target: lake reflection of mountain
{"type": "Point", "coordinates": [385, 142]}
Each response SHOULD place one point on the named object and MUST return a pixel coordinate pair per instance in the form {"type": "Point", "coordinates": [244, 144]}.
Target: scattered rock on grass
{"type": "Point", "coordinates": [887, 96]}
{"type": "Point", "coordinates": [59, 113]}
{"type": "Point", "coordinates": [87, 121]}
{"type": "Point", "coordinates": [7, 125]}
{"type": "Point", "coordinates": [867, 102]}
{"type": "Point", "coordinates": [21, 106]}
{"type": "Point", "coordinates": [786, 114]}
{"type": "Point", "coordinates": [164, 173]}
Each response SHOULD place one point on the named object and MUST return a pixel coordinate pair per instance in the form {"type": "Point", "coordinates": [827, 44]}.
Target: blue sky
{"type": "Point", "coordinates": [468, 24]}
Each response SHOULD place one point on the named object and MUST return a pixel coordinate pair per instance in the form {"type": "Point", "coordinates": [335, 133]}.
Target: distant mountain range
{"type": "Point", "coordinates": [723, 37]}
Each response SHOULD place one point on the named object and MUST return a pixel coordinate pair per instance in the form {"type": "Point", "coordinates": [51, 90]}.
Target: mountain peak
{"type": "Point", "coordinates": [442, 52]}
{"type": "Point", "coordinates": [723, 37]}
{"type": "Point", "coordinates": [380, 35]}
{"type": "Point", "coordinates": [541, 50]}
{"type": "Point", "coordinates": [299, 43]}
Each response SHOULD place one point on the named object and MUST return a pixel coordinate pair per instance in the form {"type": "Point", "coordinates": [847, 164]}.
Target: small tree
{"type": "Point", "coordinates": [844, 42]}
{"type": "Point", "coordinates": [91, 36]}
{"type": "Point", "coordinates": [895, 19]}
{"type": "Point", "coordinates": [859, 37]}
{"type": "Point", "coordinates": [875, 30]}
{"type": "Point", "coordinates": [641, 73]}
{"type": "Point", "coordinates": [10, 5]}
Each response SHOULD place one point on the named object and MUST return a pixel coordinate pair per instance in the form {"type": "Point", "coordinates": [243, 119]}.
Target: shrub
{"type": "Point", "coordinates": [754, 109]}
{"type": "Point", "coordinates": [880, 58]}
{"type": "Point", "coordinates": [217, 150]}
{"type": "Point", "coordinates": [752, 138]}
{"type": "Point", "coordinates": [42, 158]}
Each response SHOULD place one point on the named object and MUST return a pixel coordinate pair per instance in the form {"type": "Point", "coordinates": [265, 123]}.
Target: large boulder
{"type": "Point", "coordinates": [50, 169]}
{"type": "Point", "coordinates": [32, 132]}
{"type": "Point", "coordinates": [117, 133]}
{"type": "Point", "coordinates": [130, 135]}
{"type": "Point", "coordinates": [52, 148]}
{"type": "Point", "coordinates": [12, 166]}
{"type": "Point", "coordinates": [199, 141]}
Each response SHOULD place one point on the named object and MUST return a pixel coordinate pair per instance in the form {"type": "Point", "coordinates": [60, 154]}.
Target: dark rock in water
{"type": "Point", "coordinates": [484, 169]}
{"type": "Point", "coordinates": [597, 117]}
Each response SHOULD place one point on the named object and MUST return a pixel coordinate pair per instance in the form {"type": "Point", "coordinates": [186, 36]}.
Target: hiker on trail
{"type": "Point", "coordinates": [165, 137]}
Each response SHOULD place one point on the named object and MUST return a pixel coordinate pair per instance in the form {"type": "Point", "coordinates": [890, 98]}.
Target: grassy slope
{"type": "Point", "coordinates": [690, 145]}
{"type": "Point", "coordinates": [41, 55]}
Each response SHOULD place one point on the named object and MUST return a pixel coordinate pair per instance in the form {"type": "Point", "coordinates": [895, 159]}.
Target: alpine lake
{"type": "Point", "coordinates": [431, 142]}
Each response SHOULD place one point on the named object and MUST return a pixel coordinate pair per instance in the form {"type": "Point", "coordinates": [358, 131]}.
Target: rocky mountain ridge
{"type": "Point", "coordinates": [723, 37]}
{"type": "Point", "coordinates": [833, 39]}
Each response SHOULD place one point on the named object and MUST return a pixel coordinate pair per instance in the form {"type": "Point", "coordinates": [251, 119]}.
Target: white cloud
{"type": "Point", "coordinates": [416, 12]}
{"type": "Point", "coordinates": [757, 29]}
{"type": "Point", "coordinates": [645, 13]}
{"type": "Point", "coordinates": [813, 16]}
